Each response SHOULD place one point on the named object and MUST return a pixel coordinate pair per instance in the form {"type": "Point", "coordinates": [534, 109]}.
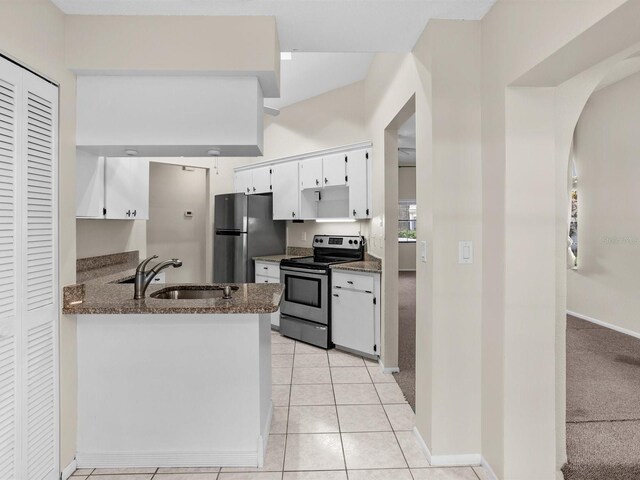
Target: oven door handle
{"type": "Point", "coordinates": [301, 270]}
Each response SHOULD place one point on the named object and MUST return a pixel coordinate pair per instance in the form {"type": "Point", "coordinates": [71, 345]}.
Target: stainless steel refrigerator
{"type": "Point", "coordinates": [244, 228]}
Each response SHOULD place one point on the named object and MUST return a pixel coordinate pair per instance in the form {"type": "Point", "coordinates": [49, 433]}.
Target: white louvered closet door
{"type": "Point", "coordinates": [39, 302]}
{"type": "Point", "coordinates": [28, 276]}
{"type": "Point", "coordinates": [10, 79]}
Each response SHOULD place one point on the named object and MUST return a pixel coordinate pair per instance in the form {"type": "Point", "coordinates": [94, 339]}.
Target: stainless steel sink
{"type": "Point", "coordinates": [192, 292]}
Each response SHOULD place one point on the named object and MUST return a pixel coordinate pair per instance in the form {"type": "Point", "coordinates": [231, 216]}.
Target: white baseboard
{"type": "Point", "coordinates": [166, 459]}
{"type": "Point", "coordinates": [422, 444]}
{"type": "Point", "coordinates": [389, 369]}
{"type": "Point", "coordinates": [464, 460]}
{"type": "Point", "coordinates": [263, 439]}
{"type": "Point", "coordinates": [68, 470]}
{"type": "Point", "coordinates": [605, 324]}
{"type": "Point", "coordinates": [488, 469]}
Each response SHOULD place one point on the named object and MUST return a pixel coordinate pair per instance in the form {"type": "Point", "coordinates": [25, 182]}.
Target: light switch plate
{"type": "Point", "coordinates": [423, 251]}
{"type": "Point", "coordinates": [465, 252]}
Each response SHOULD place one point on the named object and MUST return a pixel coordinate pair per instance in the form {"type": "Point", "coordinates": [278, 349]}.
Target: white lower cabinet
{"type": "Point", "coordinates": [269, 272]}
{"type": "Point", "coordinates": [355, 311]}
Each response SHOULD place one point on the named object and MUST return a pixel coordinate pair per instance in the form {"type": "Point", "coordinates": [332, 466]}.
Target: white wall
{"type": "Point", "coordinates": [103, 237]}
{"type": "Point", "coordinates": [607, 143]}
{"type": "Point", "coordinates": [170, 234]}
{"type": "Point", "coordinates": [407, 183]}
{"type": "Point", "coordinates": [406, 256]}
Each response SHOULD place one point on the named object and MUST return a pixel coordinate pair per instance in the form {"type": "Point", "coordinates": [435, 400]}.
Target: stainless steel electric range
{"type": "Point", "coordinates": [305, 312]}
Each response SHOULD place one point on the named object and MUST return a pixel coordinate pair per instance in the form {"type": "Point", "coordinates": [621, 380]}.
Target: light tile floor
{"type": "Point", "coordinates": [336, 416]}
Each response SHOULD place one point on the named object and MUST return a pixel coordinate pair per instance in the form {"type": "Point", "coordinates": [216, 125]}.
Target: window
{"type": "Point", "coordinates": [407, 221]}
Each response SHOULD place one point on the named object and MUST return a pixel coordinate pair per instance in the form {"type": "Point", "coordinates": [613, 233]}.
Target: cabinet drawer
{"type": "Point", "coordinates": [352, 281]}
{"type": "Point", "coordinates": [263, 279]}
{"type": "Point", "coordinates": [268, 269]}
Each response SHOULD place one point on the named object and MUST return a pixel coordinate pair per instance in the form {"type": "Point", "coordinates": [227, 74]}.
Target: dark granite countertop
{"type": "Point", "coordinates": [275, 258]}
{"type": "Point", "coordinates": [370, 264]}
{"type": "Point", "coordinates": [98, 292]}
{"type": "Point", "coordinates": [97, 298]}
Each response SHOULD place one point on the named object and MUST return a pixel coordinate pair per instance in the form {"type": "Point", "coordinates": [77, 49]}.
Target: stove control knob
{"type": "Point", "coordinates": [321, 240]}
{"type": "Point", "coordinates": [350, 242]}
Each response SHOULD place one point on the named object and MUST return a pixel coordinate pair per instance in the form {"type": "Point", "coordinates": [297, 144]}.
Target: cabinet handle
{"type": "Point", "coordinates": [128, 213]}
{"type": "Point", "coordinates": [336, 295]}
{"type": "Point", "coordinates": [349, 282]}
{"type": "Point", "coordinates": [354, 212]}
{"type": "Point", "coordinates": [293, 214]}
{"type": "Point", "coordinates": [317, 182]}
{"type": "Point", "coordinates": [135, 212]}
{"type": "Point", "coordinates": [337, 286]}
{"type": "Point", "coordinates": [248, 191]}
{"type": "Point", "coordinates": [254, 189]}
{"type": "Point", "coordinates": [265, 268]}
{"type": "Point", "coordinates": [325, 180]}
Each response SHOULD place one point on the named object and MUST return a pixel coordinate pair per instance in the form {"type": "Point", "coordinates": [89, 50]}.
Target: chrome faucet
{"type": "Point", "coordinates": [143, 278]}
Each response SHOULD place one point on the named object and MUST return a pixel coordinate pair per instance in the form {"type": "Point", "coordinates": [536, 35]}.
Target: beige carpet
{"type": "Point", "coordinates": [603, 403]}
{"type": "Point", "coordinates": [406, 378]}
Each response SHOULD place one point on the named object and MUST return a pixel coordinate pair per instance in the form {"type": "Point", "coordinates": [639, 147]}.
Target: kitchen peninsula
{"type": "Point", "coordinates": [166, 382]}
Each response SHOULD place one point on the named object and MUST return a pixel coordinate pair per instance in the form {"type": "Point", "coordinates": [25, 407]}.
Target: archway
{"type": "Point", "coordinates": [542, 110]}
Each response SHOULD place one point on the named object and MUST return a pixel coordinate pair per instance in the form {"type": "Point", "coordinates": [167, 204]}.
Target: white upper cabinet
{"type": "Point", "coordinates": [311, 173]}
{"type": "Point", "coordinates": [127, 188]}
{"type": "Point", "coordinates": [359, 183]}
{"type": "Point", "coordinates": [254, 181]}
{"type": "Point", "coordinates": [307, 187]}
{"type": "Point", "coordinates": [286, 193]}
{"type": "Point", "coordinates": [243, 182]}
{"type": "Point", "coordinates": [261, 180]}
{"type": "Point", "coordinates": [334, 170]}
{"type": "Point", "coordinates": [112, 188]}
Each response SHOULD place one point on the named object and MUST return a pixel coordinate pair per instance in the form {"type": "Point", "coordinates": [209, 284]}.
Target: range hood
{"type": "Point", "coordinates": [170, 116]}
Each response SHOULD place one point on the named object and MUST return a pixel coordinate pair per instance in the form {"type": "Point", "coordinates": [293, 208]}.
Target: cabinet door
{"type": "Point", "coordinates": [89, 185]}
{"type": "Point", "coordinates": [311, 173]}
{"type": "Point", "coordinates": [261, 180]}
{"type": "Point", "coordinates": [334, 170]}
{"type": "Point", "coordinates": [9, 267]}
{"type": "Point", "coordinates": [242, 182]}
{"type": "Point", "coordinates": [126, 188]}
{"type": "Point", "coordinates": [139, 193]}
{"type": "Point", "coordinates": [353, 320]}
{"type": "Point", "coordinates": [118, 184]}
{"type": "Point", "coordinates": [358, 182]}
{"type": "Point", "coordinates": [286, 193]}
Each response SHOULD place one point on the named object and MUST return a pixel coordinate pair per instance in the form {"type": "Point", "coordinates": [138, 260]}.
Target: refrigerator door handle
{"type": "Point", "coordinates": [235, 233]}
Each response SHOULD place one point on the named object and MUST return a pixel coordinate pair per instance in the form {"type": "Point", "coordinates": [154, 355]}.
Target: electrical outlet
{"type": "Point", "coordinates": [304, 236]}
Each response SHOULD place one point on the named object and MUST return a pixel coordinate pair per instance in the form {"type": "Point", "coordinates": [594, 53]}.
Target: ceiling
{"type": "Point", "coordinates": [308, 74]}
{"type": "Point", "coordinates": [333, 40]}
